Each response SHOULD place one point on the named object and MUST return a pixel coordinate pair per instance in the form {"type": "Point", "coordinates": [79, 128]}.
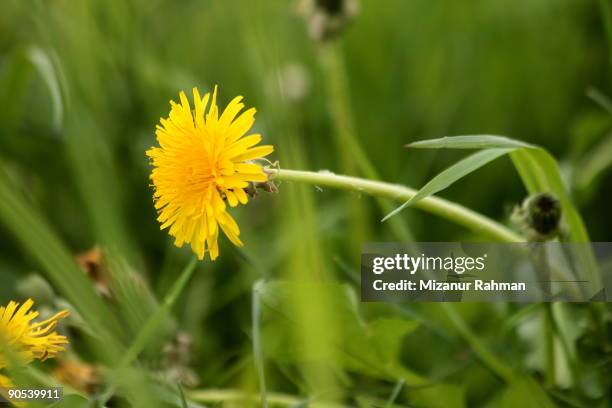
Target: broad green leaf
{"type": "Point", "coordinates": [451, 175]}
{"type": "Point", "coordinates": [387, 334]}
{"type": "Point", "coordinates": [469, 142]}
{"type": "Point", "coordinates": [525, 394]}
{"type": "Point", "coordinates": [371, 348]}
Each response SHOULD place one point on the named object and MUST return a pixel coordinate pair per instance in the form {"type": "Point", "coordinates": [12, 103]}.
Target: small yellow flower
{"type": "Point", "coordinates": [203, 161]}
{"type": "Point", "coordinates": [30, 341]}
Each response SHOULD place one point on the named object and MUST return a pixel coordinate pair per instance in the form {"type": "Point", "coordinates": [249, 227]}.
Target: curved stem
{"type": "Point", "coordinates": [438, 206]}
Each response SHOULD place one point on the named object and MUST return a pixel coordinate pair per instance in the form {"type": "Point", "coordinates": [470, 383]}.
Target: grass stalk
{"type": "Point", "coordinates": [549, 345]}
{"type": "Point", "coordinates": [349, 147]}
{"type": "Point", "coordinates": [155, 321]}
{"type": "Point", "coordinates": [351, 156]}
{"type": "Point", "coordinates": [150, 327]}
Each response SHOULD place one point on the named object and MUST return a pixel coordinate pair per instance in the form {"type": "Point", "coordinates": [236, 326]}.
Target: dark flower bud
{"type": "Point", "coordinates": [327, 19]}
{"type": "Point", "coordinates": [540, 216]}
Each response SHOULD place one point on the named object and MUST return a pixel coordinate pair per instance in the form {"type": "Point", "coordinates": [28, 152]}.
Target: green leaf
{"type": "Point", "coordinates": [525, 394]}
{"type": "Point", "coordinates": [371, 348]}
{"type": "Point", "coordinates": [469, 142]}
{"type": "Point", "coordinates": [537, 168]}
{"type": "Point", "coordinates": [41, 60]}
{"type": "Point", "coordinates": [593, 166]}
{"type": "Point", "coordinates": [387, 333]}
{"type": "Point", "coordinates": [539, 172]}
{"type": "Point", "coordinates": [396, 392]}
{"type": "Point", "coordinates": [451, 175]}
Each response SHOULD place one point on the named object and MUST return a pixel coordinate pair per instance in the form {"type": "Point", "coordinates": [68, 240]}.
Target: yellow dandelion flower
{"type": "Point", "coordinates": [30, 341]}
{"type": "Point", "coordinates": [204, 160]}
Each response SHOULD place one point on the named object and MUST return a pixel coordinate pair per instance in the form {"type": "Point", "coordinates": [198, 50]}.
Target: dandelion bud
{"type": "Point", "coordinates": [326, 19]}
{"type": "Point", "coordinates": [540, 216]}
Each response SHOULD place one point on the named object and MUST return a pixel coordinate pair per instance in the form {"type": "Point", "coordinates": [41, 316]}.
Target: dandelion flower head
{"type": "Point", "coordinates": [27, 339]}
{"type": "Point", "coordinates": [204, 161]}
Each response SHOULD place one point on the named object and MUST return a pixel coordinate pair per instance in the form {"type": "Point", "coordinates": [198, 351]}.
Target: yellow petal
{"type": "Point", "coordinates": [255, 153]}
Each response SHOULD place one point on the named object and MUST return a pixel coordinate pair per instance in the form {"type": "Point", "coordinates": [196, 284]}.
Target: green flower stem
{"type": "Point", "coordinates": [549, 345]}
{"type": "Point", "coordinates": [438, 206]}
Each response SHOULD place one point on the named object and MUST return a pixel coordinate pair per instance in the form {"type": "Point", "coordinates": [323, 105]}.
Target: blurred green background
{"type": "Point", "coordinates": [83, 84]}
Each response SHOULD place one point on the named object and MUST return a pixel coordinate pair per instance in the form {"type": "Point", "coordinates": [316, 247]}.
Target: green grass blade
{"type": "Point", "coordinates": [540, 173]}
{"type": "Point", "coordinates": [15, 78]}
{"type": "Point", "coordinates": [257, 349]}
{"type": "Point", "coordinates": [469, 142]}
{"type": "Point", "coordinates": [97, 177]}
{"type": "Point", "coordinates": [396, 391]}
{"type": "Point", "coordinates": [43, 64]}
{"type": "Point", "coordinates": [131, 293]}
{"type": "Point", "coordinates": [184, 403]}
{"type": "Point", "coordinates": [149, 330]}
{"type": "Point", "coordinates": [605, 8]}
{"type": "Point", "coordinates": [600, 98]}
{"type": "Point", "coordinates": [451, 175]}
{"type": "Point", "coordinates": [156, 320]}
{"type": "Point", "coordinates": [595, 164]}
